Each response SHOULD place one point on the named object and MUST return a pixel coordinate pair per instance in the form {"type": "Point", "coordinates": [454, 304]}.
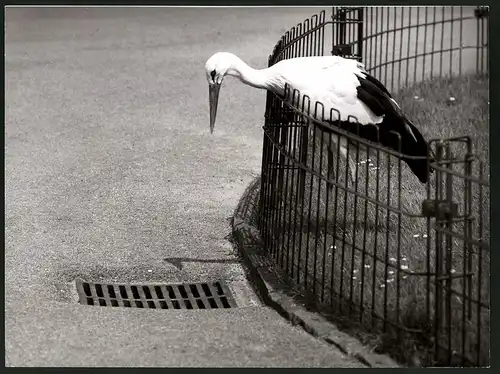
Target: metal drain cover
{"type": "Point", "coordinates": [215, 295]}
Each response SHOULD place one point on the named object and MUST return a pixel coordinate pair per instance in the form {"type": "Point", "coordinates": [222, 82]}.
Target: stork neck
{"type": "Point", "coordinates": [257, 78]}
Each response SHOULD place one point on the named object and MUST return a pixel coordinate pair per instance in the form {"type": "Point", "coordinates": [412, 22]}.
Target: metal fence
{"type": "Point", "coordinates": [402, 260]}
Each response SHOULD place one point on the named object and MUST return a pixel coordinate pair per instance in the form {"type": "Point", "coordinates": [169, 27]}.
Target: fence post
{"type": "Point", "coordinates": [444, 212]}
{"type": "Point", "coordinates": [339, 47]}
{"type": "Point", "coordinates": [481, 13]}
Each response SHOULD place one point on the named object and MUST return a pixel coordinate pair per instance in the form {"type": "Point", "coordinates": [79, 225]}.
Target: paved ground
{"type": "Point", "coordinates": [110, 169]}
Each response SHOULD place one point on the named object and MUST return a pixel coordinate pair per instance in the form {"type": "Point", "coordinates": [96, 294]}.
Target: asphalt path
{"type": "Point", "coordinates": [110, 171]}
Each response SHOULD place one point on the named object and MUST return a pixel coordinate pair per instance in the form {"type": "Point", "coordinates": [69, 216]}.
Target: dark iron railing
{"type": "Point", "coordinates": [400, 258]}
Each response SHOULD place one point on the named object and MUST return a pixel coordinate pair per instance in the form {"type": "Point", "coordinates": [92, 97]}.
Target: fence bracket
{"type": "Point", "coordinates": [441, 209]}
{"type": "Point", "coordinates": [341, 50]}
{"type": "Point", "coordinates": [482, 11]}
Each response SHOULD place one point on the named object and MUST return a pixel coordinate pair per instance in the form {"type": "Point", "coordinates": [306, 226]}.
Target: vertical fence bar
{"type": "Point", "coordinates": [297, 199]}
{"type": "Point", "coordinates": [268, 180]}
{"type": "Point", "coordinates": [344, 231]}
{"type": "Point", "coordinates": [275, 203]}
{"type": "Point", "coordinates": [349, 38]}
{"type": "Point", "coordinates": [468, 231]}
{"type": "Point", "coordinates": [448, 288]}
{"type": "Point", "coordinates": [303, 149]}
{"type": "Point", "coordinates": [481, 56]}
{"type": "Point", "coordinates": [393, 50]}
{"type": "Point", "coordinates": [370, 63]}
{"type": "Point", "coordinates": [269, 189]}
{"type": "Point", "coordinates": [322, 34]}
{"type": "Point", "coordinates": [354, 227]}
{"type": "Point", "coordinates": [428, 252]}
{"type": "Point", "coordinates": [478, 44]}
{"type": "Point", "coordinates": [293, 202]}
{"type": "Point", "coordinates": [378, 46]}
{"type": "Point", "coordinates": [442, 42]}
{"type": "Point", "coordinates": [380, 35]}
{"type": "Point", "coordinates": [408, 46]}
{"type": "Point", "coordinates": [438, 316]}
{"type": "Point", "coordinates": [486, 43]}
{"type": "Point", "coordinates": [375, 244]}
{"type": "Point", "coordinates": [467, 247]}
{"type": "Point", "coordinates": [325, 226]}
{"type": "Point", "coordinates": [461, 41]}
{"type": "Point", "coordinates": [303, 159]}
{"type": "Point", "coordinates": [398, 248]}
{"type": "Point", "coordinates": [310, 39]}
{"type": "Point", "coordinates": [318, 205]}
{"type": "Point", "coordinates": [483, 45]}
{"type": "Point", "coordinates": [342, 26]}
{"type": "Point", "coordinates": [433, 40]}
{"type": "Point", "coordinates": [387, 240]}
{"type": "Point", "coordinates": [364, 249]}
{"type": "Point", "coordinates": [360, 33]}
{"type": "Point", "coordinates": [416, 47]}
{"type": "Point", "coordinates": [451, 41]}
{"type": "Point", "coordinates": [300, 41]}
{"type": "Point", "coordinates": [401, 47]}
{"type": "Point", "coordinates": [281, 178]}
{"type": "Point", "coordinates": [318, 178]}
{"type": "Point", "coordinates": [315, 35]}
{"type": "Point", "coordinates": [335, 205]}
{"type": "Point", "coordinates": [386, 65]}
{"type": "Point", "coordinates": [263, 189]}
{"type": "Point", "coordinates": [286, 197]}
{"type": "Point", "coordinates": [425, 42]}
{"type": "Point", "coordinates": [309, 211]}
{"type": "Point", "coordinates": [334, 35]}
{"type": "Point", "coordinates": [480, 267]}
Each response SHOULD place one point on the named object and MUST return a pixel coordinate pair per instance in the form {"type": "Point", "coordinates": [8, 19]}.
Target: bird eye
{"type": "Point", "coordinates": [213, 74]}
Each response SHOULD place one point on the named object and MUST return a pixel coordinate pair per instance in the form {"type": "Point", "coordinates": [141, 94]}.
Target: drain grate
{"type": "Point", "coordinates": [214, 295]}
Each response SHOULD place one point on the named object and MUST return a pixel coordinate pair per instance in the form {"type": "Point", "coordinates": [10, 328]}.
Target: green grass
{"type": "Point", "coordinates": [374, 263]}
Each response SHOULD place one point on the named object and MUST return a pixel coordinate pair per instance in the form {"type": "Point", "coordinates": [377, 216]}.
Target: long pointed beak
{"type": "Point", "coordinates": [213, 96]}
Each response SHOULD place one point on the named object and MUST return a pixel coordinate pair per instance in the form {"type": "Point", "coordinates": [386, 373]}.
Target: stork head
{"type": "Point", "coordinates": [216, 68]}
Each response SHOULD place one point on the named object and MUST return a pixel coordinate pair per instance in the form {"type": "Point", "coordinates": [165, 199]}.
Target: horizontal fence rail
{"type": "Point", "coordinates": [344, 217]}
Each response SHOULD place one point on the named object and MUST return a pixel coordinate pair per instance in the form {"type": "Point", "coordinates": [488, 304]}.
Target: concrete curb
{"type": "Point", "coordinates": [274, 289]}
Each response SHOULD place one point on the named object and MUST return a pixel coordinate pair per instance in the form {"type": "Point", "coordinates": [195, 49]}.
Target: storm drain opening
{"type": "Point", "coordinates": [214, 295]}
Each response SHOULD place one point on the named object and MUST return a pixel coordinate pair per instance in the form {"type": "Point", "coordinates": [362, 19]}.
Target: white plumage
{"type": "Point", "coordinates": [330, 80]}
{"type": "Point", "coordinates": [336, 82]}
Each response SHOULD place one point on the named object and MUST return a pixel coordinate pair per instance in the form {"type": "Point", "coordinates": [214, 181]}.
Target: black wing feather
{"type": "Point", "coordinates": [371, 101]}
{"type": "Point", "coordinates": [378, 99]}
{"type": "Point", "coordinates": [377, 83]}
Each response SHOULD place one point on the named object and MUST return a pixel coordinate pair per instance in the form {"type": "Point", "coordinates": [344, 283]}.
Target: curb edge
{"type": "Point", "coordinates": [260, 266]}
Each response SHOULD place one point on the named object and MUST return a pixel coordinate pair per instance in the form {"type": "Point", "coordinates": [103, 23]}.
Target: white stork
{"type": "Point", "coordinates": [338, 83]}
